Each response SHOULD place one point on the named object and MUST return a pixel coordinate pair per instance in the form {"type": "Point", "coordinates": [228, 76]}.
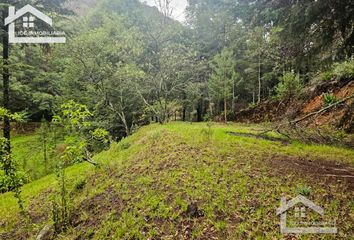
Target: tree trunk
{"type": "Point", "coordinates": [233, 99]}
{"type": "Point", "coordinates": [6, 79]}
{"type": "Point", "coordinates": [225, 109]}
{"type": "Point", "coordinates": [259, 79]}
{"type": "Point", "coordinates": [200, 112]}
{"type": "Point", "coordinates": [45, 154]}
{"type": "Point", "coordinates": [184, 111]}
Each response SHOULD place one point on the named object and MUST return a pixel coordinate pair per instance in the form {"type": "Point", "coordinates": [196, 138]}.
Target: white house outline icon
{"type": "Point", "coordinates": [285, 206]}
{"type": "Point", "coordinates": [13, 16]}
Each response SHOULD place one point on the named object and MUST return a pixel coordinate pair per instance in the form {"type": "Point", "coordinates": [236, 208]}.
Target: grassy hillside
{"type": "Point", "coordinates": [27, 150]}
{"type": "Point", "coordinates": [191, 181]}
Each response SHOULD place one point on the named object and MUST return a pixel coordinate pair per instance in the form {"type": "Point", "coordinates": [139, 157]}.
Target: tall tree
{"type": "Point", "coordinates": [6, 76]}
{"type": "Point", "coordinates": [221, 82]}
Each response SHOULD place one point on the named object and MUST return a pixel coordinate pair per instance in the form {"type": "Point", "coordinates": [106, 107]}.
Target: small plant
{"type": "Point", "coordinates": [124, 145]}
{"type": "Point", "coordinates": [252, 105]}
{"type": "Point", "coordinates": [44, 131]}
{"type": "Point", "coordinates": [80, 184]}
{"type": "Point", "coordinates": [155, 136]}
{"type": "Point", "coordinates": [220, 225]}
{"type": "Point", "coordinates": [209, 131]}
{"type": "Point", "coordinates": [303, 190]}
{"type": "Point", "coordinates": [290, 86]}
{"type": "Point", "coordinates": [329, 99]}
{"type": "Point", "coordinates": [326, 76]}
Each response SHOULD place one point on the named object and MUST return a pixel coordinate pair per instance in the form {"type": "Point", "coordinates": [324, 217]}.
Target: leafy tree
{"type": "Point", "coordinates": [107, 70]}
{"type": "Point", "coordinates": [165, 87]}
{"type": "Point", "coordinates": [75, 120]}
{"type": "Point", "coordinates": [11, 179]}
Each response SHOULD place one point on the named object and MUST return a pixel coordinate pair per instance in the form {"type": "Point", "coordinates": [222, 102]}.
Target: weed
{"type": "Point", "coordinates": [329, 99]}
{"type": "Point", "coordinates": [208, 132]}
{"type": "Point", "coordinates": [303, 190]}
{"type": "Point", "coordinates": [124, 146]}
{"type": "Point", "coordinates": [220, 225]}
{"type": "Point", "coordinates": [80, 184]}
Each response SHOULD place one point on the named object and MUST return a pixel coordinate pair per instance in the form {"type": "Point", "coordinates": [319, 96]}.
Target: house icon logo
{"type": "Point", "coordinates": [30, 16]}
{"type": "Point", "coordinates": [300, 212]}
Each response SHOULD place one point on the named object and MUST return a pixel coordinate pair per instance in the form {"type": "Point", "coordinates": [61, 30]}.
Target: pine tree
{"type": "Point", "coordinates": [222, 79]}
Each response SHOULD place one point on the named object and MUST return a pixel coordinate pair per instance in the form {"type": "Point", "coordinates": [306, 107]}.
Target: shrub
{"type": "Point", "coordinates": [329, 99]}
{"type": "Point", "coordinates": [326, 76]}
{"type": "Point", "coordinates": [9, 183]}
{"type": "Point", "coordinates": [344, 70]}
{"type": "Point", "coordinates": [290, 85]}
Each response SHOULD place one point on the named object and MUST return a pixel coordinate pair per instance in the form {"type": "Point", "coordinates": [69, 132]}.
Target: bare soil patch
{"type": "Point", "coordinates": [329, 170]}
{"type": "Point", "coordinates": [260, 136]}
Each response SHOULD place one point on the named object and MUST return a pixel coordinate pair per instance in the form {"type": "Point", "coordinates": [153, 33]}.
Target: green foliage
{"type": "Point", "coordinates": [80, 184]}
{"type": "Point", "coordinates": [303, 190]}
{"type": "Point", "coordinates": [124, 145]}
{"type": "Point", "coordinates": [177, 168]}
{"type": "Point", "coordinates": [74, 116]}
{"type": "Point", "coordinates": [326, 76]}
{"type": "Point", "coordinates": [11, 179]}
{"type": "Point", "coordinates": [290, 86]}
{"type": "Point", "coordinates": [222, 80]}
{"type": "Point", "coordinates": [344, 70]}
{"type": "Point", "coordinates": [75, 120]}
{"type": "Point", "coordinates": [252, 105]}
{"type": "Point", "coordinates": [100, 135]}
{"type": "Point", "coordinates": [11, 182]}
{"type": "Point", "coordinates": [329, 99]}
{"type": "Point", "coordinates": [208, 131]}
{"type": "Point", "coordinates": [223, 76]}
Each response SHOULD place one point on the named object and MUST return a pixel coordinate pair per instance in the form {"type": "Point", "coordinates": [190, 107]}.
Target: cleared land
{"type": "Point", "coordinates": [191, 181]}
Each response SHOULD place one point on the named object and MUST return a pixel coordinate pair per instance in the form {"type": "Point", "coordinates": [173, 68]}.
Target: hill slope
{"type": "Point", "coordinates": [340, 117]}
{"type": "Point", "coordinates": [190, 181]}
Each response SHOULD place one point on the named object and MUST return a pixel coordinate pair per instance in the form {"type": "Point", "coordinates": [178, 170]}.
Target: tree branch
{"type": "Point", "coordinates": [322, 110]}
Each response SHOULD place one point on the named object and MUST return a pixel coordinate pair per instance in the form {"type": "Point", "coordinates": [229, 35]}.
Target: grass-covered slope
{"type": "Point", "coordinates": [27, 151]}
{"type": "Point", "coordinates": [191, 181]}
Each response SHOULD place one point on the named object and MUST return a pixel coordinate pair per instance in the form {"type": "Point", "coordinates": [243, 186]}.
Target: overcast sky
{"type": "Point", "coordinates": [179, 7]}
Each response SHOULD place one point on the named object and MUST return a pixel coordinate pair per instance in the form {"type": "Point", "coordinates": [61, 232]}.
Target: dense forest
{"type": "Point", "coordinates": [127, 66]}
{"type": "Point", "coordinates": [130, 63]}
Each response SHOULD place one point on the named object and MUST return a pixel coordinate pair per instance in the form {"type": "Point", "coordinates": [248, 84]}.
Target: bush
{"type": "Point", "coordinates": [326, 76]}
{"type": "Point", "coordinates": [344, 70]}
{"type": "Point", "coordinates": [290, 86]}
{"type": "Point", "coordinates": [8, 183]}
{"type": "Point", "coordinates": [329, 99]}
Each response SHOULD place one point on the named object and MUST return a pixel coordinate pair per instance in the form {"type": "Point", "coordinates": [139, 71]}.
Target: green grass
{"type": "Point", "coordinates": [27, 151]}
{"type": "Point", "coordinates": [145, 183]}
